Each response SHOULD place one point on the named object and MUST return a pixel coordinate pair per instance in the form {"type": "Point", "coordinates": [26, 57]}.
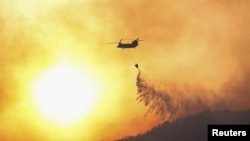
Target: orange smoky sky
{"type": "Point", "coordinates": [200, 43]}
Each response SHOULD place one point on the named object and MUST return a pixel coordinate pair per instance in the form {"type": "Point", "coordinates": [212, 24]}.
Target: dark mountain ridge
{"type": "Point", "coordinates": [192, 128]}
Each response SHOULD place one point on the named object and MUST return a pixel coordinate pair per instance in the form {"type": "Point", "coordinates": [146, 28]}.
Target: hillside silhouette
{"type": "Point", "coordinates": [193, 128]}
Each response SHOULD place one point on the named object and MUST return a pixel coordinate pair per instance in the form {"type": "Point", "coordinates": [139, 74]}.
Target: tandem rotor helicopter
{"type": "Point", "coordinates": [133, 44]}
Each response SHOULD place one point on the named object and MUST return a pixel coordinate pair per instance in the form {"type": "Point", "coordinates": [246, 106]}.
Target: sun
{"type": "Point", "coordinates": [64, 94]}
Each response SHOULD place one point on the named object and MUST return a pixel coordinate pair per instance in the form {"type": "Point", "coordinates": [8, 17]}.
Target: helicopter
{"type": "Point", "coordinates": [133, 44]}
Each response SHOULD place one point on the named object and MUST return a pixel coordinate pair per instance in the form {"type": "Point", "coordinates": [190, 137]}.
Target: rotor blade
{"type": "Point", "coordinates": [113, 43]}
{"type": "Point", "coordinates": [127, 39]}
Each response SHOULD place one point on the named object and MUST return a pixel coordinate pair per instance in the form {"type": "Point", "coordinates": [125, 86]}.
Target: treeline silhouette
{"type": "Point", "coordinates": [193, 128]}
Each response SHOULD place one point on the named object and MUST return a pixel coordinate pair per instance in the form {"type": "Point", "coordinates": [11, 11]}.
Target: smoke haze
{"type": "Point", "coordinates": [195, 56]}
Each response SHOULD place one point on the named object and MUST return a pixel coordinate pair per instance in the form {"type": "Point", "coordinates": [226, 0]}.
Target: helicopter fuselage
{"type": "Point", "coordinates": [134, 44]}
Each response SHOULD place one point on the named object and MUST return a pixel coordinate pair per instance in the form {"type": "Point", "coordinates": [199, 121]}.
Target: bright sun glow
{"type": "Point", "coordinates": [64, 94]}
